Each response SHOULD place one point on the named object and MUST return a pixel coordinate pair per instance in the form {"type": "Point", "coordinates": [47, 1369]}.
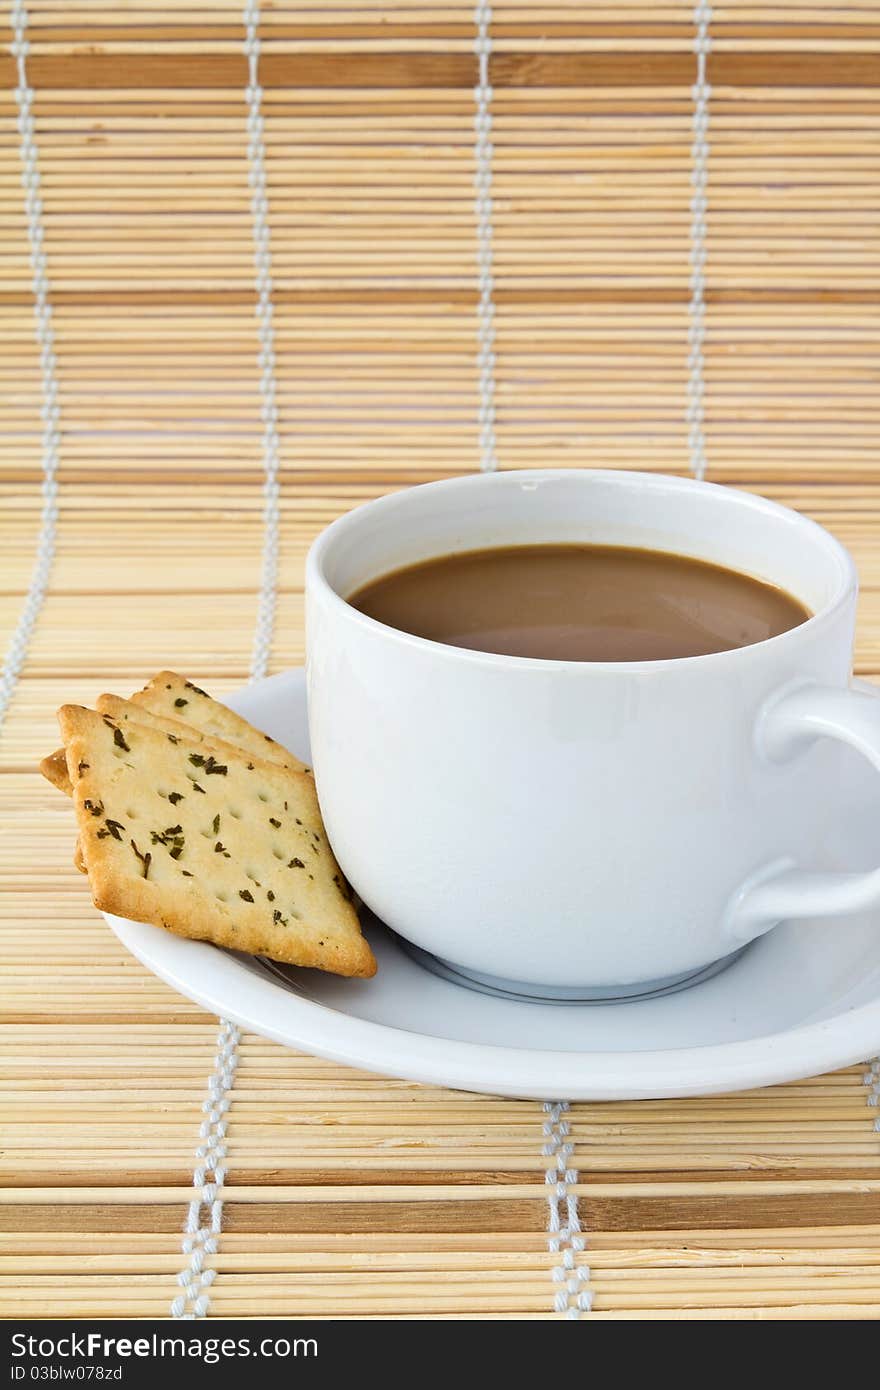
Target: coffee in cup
{"type": "Point", "coordinates": [570, 602]}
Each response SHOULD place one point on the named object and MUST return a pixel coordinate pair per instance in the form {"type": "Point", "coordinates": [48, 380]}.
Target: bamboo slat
{"type": "Point", "coordinates": [591, 225]}
{"type": "Point", "coordinates": [349, 1194]}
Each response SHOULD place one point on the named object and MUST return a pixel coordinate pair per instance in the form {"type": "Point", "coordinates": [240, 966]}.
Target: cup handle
{"type": "Point", "coordinates": [786, 726]}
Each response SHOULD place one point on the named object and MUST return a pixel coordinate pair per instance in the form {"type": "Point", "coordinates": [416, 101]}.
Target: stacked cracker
{"type": "Point", "coordinates": [192, 819]}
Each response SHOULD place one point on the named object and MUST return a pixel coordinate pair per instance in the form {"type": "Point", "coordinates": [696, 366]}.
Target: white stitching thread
{"type": "Point", "coordinates": [485, 278]}
{"type": "Point", "coordinates": [50, 412]}
{"type": "Point", "coordinates": [202, 1230]}
{"type": "Point", "coordinates": [565, 1237]}
{"type": "Point", "coordinates": [268, 393]}
{"type": "Point", "coordinates": [696, 388]}
{"type": "Point", "coordinates": [204, 1219]}
{"type": "Point", "coordinates": [871, 1079]}
{"type": "Point", "coordinates": [201, 1237]}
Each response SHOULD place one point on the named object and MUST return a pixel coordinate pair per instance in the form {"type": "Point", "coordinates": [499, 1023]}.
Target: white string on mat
{"type": "Point", "coordinates": [871, 1079]}
{"type": "Point", "coordinates": [485, 276]}
{"type": "Point", "coordinates": [203, 1221]}
{"type": "Point", "coordinates": [50, 411]}
{"type": "Point", "coordinates": [268, 392]}
{"type": "Point", "coordinates": [565, 1237]}
{"type": "Point", "coordinates": [205, 1216]}
{"type": "Point", "coordinates": [696, 388]}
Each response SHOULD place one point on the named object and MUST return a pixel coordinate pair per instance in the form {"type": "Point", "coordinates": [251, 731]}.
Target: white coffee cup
{"type": "Point", "coordinates": [584, 829]}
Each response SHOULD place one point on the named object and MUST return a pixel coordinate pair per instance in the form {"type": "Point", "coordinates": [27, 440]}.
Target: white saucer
{"type": "Point", "coordinates": [803, 999]}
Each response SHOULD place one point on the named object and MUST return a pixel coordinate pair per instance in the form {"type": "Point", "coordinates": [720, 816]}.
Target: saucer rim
{"type": "Point", "coordinates": [255, 1001]}
{"type": "Point", "coordinates": [488, 1068]}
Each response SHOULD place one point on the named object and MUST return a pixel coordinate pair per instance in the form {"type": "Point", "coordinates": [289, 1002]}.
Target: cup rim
{"type": "Point", "coordinates": [316, 576]}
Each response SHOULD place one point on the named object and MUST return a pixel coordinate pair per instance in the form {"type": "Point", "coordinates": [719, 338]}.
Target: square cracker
{"type": "Point", "coordinates": [233, 852]}
{"type": "Point", "coordinates": [241, 733]}
{"type": "Point", "coordinates": [174, 697]}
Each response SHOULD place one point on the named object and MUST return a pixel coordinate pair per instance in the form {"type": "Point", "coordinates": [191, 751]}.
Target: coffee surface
{"type": "Point", "coordinates": [580, 603]}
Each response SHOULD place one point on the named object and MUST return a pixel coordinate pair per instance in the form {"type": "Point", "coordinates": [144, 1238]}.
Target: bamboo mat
{"type": "Point", "coordinates": [350, 1195]}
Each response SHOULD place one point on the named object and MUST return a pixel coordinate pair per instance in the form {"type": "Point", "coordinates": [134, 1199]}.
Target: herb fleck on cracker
{"type": "Point", "coordinates": [172, 837]}
{"type": "Point", "coordinates": [146, 859]}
